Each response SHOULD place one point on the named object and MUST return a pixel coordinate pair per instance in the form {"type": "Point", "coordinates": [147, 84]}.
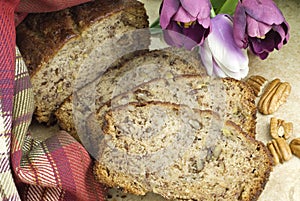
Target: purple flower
{"type": "Point", "coordinates": [219, 53]}
{"type": "Point", "coordinates": [186, 23]}
{"type": "Point", "coordinates": [260, 25]}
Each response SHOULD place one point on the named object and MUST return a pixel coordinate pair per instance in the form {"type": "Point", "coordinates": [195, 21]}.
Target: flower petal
{"type": "Point", "coordinates": [218, 71]}
{"type": "Point", "coordinates": [196, 32]}
{"type": "Point", "coordinates": [258, 48]}
{"type": "Point", "coordinates": [206, 58]}
{"type": "Point", "coordinates": [183, 16]}
{"type": "Point", "coordinates": [169, 8]}
{"type": "Point", "coordinates": [204, 22]}
{"type": "Point", "coordinates": [242, 73]}
{"type": "Point", "coordinates": [283, 34]}
{"type": "Point", "coordinates": [264, 11]}
{"type": "Point", "coordinates": [286, 28]}
{"type": "Point", "coordinates": [263, 55]}
{"type": "Point", "coordinates": [256, 28]}
{"type": "Point", "coordinates": [239, 26]}
{"type": "Point", "coordinates": [172, 35]}
{"type": "Point", "coordinates": [268, 44]}
{"type": "Point", "coordinates": [223, 47]}
{"type": "Point", "coordinates": [198, 9]}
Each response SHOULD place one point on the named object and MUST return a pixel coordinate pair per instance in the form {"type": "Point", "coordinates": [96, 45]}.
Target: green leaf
{"type": "Point", "coordinates": [228, 7]}
{"type": "Point", "coordinates": [217, 4]}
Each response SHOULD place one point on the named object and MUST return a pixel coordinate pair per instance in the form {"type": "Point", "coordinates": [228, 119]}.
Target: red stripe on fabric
{"type": "Point", "coordinates": [16, 160]}
{"type": "Point", "coordinates": [35, 193]}
{"type": "Point", "coordinates": [61, 160]}
{"type": "Point", "coordinates": [46, 5]}
{"type": "Point", "coordinates": [53, 165]}
{"type": "Point", "coordinates": [26, 173]}
{"type": "Point", "coordinates": [7, 53]}
{"type": "Point", "coordinates": [82, 169]}
{"type": "Point", "coordinates": [32, 167]}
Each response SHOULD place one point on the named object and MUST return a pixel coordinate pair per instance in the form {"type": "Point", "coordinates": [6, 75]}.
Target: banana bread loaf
{"type": "Point", "coordinates": [180, 153]}
{"type": "Point", "coordinates": [54, 45]}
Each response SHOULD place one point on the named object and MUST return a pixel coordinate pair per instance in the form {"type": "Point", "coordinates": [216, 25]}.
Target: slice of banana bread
{"type": "Point", "coordinates": [232, 99]}
{"type": "Point", "coordinates": [180, 153]}
{"type": "Point", "coordinates": [54, 45]}
{"type": "Point", "coordinates": [126, 74]}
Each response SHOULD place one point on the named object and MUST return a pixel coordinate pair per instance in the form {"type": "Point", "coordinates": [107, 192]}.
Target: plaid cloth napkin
{"type": "Point", "coordinates": [56, 169]}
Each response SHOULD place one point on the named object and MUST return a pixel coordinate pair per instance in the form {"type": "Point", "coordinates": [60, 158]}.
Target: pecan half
{"type": "Point", "coordinates": [274, 96]}
{"type": "Point", "coordinates": [257, 83]}
{"type": "Point", "coordinates": [272, 149]}
{"type": "Point", "coordinates": [280, 150]}
{"type": "Point", "coordinates": [295, 146]}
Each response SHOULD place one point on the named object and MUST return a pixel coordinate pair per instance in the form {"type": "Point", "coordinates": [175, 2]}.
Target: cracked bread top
{"type": "Point", "coordinates": [56, 46]}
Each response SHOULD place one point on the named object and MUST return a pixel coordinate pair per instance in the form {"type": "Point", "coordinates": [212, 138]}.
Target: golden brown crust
{"type": "Point", "coordinates": [111, 178]}
{"type": "Point", "coordinates": [249, 101]}
{"type": "Point", "coordinates": [42, 35]}
{"type": "Point", "coordinates": [269, 163]}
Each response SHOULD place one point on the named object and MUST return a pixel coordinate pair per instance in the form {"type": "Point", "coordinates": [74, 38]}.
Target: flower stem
{"type": "Point", "coordinates": [212, 12]}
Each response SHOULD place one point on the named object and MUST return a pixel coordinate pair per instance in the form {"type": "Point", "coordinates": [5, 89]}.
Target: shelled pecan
{"type": "Point", "coordinates": [257, 83]}
{"type": "Point", "coordinates": [274, 96]}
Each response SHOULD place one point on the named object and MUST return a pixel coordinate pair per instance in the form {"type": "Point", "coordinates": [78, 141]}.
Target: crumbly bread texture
{"type": "Point", "coordinates": [180, 153]}
{"type": "Point", "coordinates": [55, 45]}
{"type": "Point", "coordinates": [124, 75]}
